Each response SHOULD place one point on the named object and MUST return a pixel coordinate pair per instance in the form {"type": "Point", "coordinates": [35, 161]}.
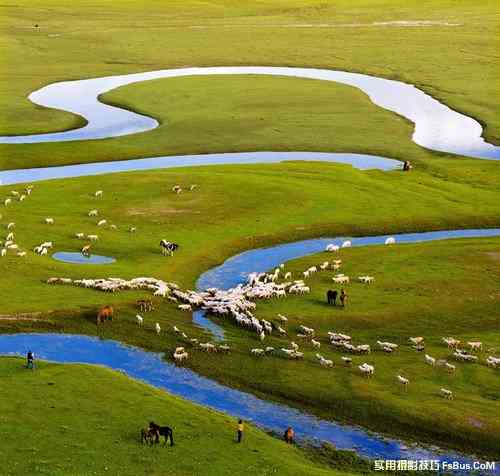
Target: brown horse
{"type": "Point", "coordinates": [289, 435]}
{"type": "Point", "coordinates": [105, 314]}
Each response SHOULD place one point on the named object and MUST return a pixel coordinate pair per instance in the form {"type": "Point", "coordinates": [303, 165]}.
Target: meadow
{"type": "Point", "coordinates": [81, 420]}
{"type": "Point", "coordinates": [446, 48]}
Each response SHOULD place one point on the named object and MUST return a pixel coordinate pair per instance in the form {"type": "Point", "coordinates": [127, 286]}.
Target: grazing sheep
{"type": "Point", "coordinates": [475, 346]}
{"type": "Point", "coordinates": [10, 236]}
{"type": "Point", "coordinates": [140, 320]}
{"type": "Point", "coordinates": [93, 213]}
{"type": "Point", "coordinates": [366, 369]}
{"type": "Point", "coordinates": [390, 241]}
{"type": "Point", "coordinates": [132, 229]}
{"type": "Point", "coordinates": [257, 352]}
{"type": "Point", "coordinates": [269, 350]}
{"type": "Point", "coordinates": [283, 318]}
{"type": "Point", "coordinates": [288, 275]}
{"type": "Point", "coordinates": [113, 227]}
{"type": "Point", "coordinates": [85, 251]}
{"type": "Point", "coordinates": [451, 342]}
{"type": "Point", "coordinates": [176, 330]}
{"type": "Point", "coordinates": [11, 225]}
{"type": "Point", "coordinates": [21, 253]}
{"type": "Point", "coordinates": [158, 328]}
{"type": "Point", "coordinates": [416, 340]}
{"type": "Point", "coordinates": [294, 346]}
{"type": "Point", "coordinates": [430, 360]}
{"type": "Point", "coordinates": [80, 236]}
{"type": "Point", "coordinates": [7, 201]}
{"type": "Point", "coordinates": [49, 221]}
{"type": "Point", "coordinates": [208, 347]}
{"type": "Point", "coordinates": [92, 237]}
{"type": "Point", "coordinates": [445, 393]}
{"type": "Point", "coordinates": [493, 362]}
{"type": "Point", "coordinates": [403, 381]}
{"type": "Point", "coordinates": [346, 244]}
{"type": "Point", "coordinates": [224, 348]}
{"type": "Point", "coordinates": [98, 194]}
{"type": "Point", "coordinates": [366, 279]}
{"type": "Point", "coordinates": [193, 187]}
{"type": "Point", "coordinates": [185, 307]}
{"type": "Point", "coordinates": [262, 336]}
{"type": "Point", "coordinates": [346, 360]}
{"type": "Point", "coordinates": [449, 367]}
{"type": "Point", "coordinates": [316, 344]}
{"type": "Point", "coordinates": [101, 222]}
{"type": "Point", "coordinates": [180, 356]}
{"type": "Point", "coordinates": [3, 252]}
{"type": "Point", "coordinates": [332, 248]}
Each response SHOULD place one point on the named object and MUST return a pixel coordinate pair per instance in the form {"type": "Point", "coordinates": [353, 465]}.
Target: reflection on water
{"type": "Point", "coordinates": [152, 369]}
{"type": "Point", "coordinates": [437, 127]}
{"type": "Point", "coordinates": [78, 258]}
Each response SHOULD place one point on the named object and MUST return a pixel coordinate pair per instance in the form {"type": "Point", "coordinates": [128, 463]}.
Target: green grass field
{"type": "Point", "coordinates": [79, 420]}
{"type": "Point", "coordinates": [447, 288]}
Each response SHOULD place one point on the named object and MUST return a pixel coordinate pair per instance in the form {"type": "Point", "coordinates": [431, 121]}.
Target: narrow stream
{"type": "Point", "coordinates": [152, 369]}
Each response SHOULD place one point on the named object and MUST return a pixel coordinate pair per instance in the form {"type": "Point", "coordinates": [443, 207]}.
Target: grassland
{"type": "Point", "coordinates": [79, 420]}
{"type": "Point", "coordinates": [311, 115]}
{"type": "Point", "coordinates": [402, 303]}
{"type": "Point", "coordinates": [432, 290]}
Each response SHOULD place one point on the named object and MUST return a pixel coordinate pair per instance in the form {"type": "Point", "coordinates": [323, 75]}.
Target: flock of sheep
{"type": "Point", "coordinates": [238, 304]}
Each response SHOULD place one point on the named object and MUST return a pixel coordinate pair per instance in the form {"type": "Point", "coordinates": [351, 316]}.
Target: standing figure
{"type": "Point", "coordinates": [30, 360]}
{"type": "Point", "coordinates": [240, 430]}
{"type": "Point", "coordinates": [289, 435]}
{"type": "Point", "coordinates": [331, 296]}
{"type": "Point", "coordinates": [343, 297]}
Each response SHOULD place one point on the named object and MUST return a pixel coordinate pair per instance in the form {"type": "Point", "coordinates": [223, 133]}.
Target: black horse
{"type": "Point", "coordinates": [331, 296]}
{"type": "Point", "coordinates": [164, 431]}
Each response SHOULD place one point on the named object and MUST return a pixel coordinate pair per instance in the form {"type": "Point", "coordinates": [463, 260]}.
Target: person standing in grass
{"type": "Point", "coordinates": [30, 360]}
{"type": "Point", "coordinates": [240, 430]}
{"type": "Point", "coordinates": [343, 297]}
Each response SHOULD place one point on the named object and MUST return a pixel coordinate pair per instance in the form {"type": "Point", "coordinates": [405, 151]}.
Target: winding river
{"type": "Point", "coordinates": [235, 269]}
{"type": "Point", "coordinates": [437, 127]}
{"type": "Point", "coordinates": [152, 369]}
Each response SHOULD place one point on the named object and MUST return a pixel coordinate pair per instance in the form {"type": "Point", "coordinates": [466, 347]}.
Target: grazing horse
{"type": "Point", "coordinates": [144, 305]}
{"type": "Point", "coordinates": [331, 296]}
{"type": "Point", "coordinates": [164, 431]}
{"type": "Point", "coordinates": [168, 247]}
{"type": "Point", "coordinates": [105, 314]}
{"type": "Point", "coordinates": [289, 435]}
{"type": "Point", "coordinates": [147, 436]}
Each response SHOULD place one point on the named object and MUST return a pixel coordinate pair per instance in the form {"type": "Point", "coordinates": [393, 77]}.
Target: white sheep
{"type": "Point", "coordinates": [98, 194]}
{"type": "Point", "coordinates": [158, 328]}
{"type": "Point", "coordinates": [11, 225]}
{"type": "Point", "coordinates": [493, 362]}
{"type": "Point", "coordinates": [475, 346]}
{"type": "Point", "coordinates": [366, 369]}
{"type": "Point", "coordinates": [403, 381]}
{"type": "Point", "coordinates": [257, 352]}
{"type": "Point", "coordinates": [140, 320]}
{"type": "Point", "coordinates": [49, 221]}
{"type": "Point", "coordinates": [92, 237]}
{"type": "Point", "coordinates": [80, 236]}
{"type": "Point", "coordinates": [445, 393]}
{"type": "Point", "coordinates": [346, 244]}
{"type": "Point", "coordinates": [390, 241]}
{"type": "Point", "coordinates": [185, 307]}
{"type": "Point", "coordinates": [430, 360]}
{"type": "Point", "coordinates": [3, 252]}
{"type": "Point", "coordinates": [316, 344]}
{"type": "Point", "coordinates": [93, 213]}
{"type": "Point", "coordinates": [449, 367]}
{"type": "Point", "coordinates": [332, 248]}
{"type": "Point", "coordinates": [101, 222]}
{"type": "Point", "coordinates": [288, 275]}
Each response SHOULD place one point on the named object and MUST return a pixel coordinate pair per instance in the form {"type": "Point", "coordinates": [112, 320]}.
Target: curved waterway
{"type": "Point", "coordinates": [437, 127]}
{"type": "Point", "coordinates": [152, 369]}
{"type": "Point", "coordinates": [235, 270]}
{"type": "Point", "coordinates": [359, 161]}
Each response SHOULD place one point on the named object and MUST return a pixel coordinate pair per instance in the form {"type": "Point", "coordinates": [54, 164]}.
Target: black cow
{"type": "Point", "coordinates": [167, 247]}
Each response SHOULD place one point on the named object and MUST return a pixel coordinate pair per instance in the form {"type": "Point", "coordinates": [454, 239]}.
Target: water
{"type": "Point", "coordinates": [235, 270]}
{"type": "Point", "coordinates": [78, 258]}
{"type": "Point", "coordinates": [150, 368]}
{"type": "Point", "coordinates": [437, 127]}
{"type": "Point", "coordinates": [359, 161]}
